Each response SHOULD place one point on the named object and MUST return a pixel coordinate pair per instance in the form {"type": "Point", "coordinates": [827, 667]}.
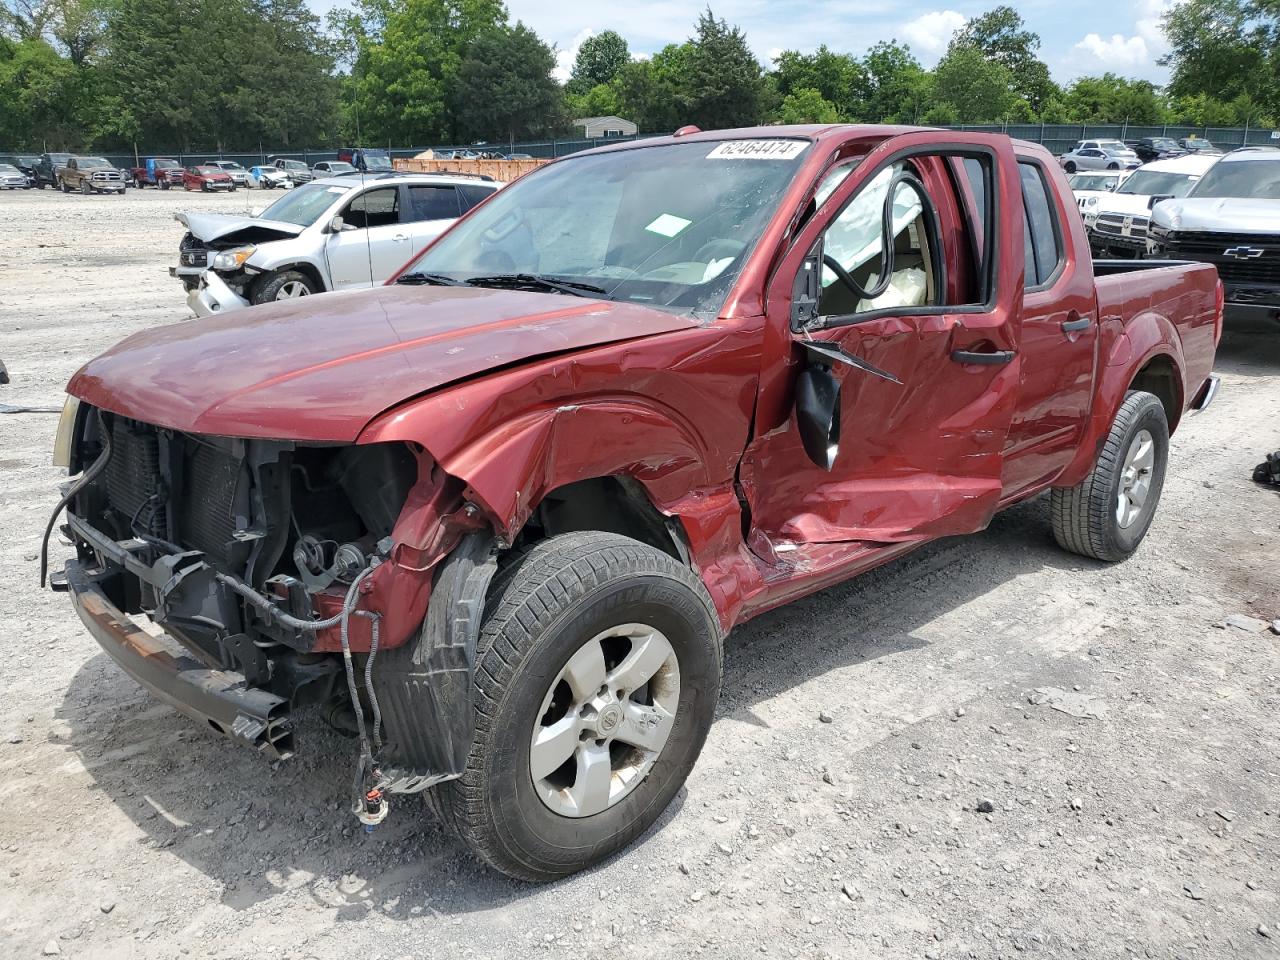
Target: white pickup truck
{"type": "Point", "coordinates": [1117, 222]}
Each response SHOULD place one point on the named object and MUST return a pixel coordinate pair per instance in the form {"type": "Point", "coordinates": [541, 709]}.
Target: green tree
{"type": "Point", "coordinates": [722, 81]}
{"type": "Point", "coordinates": [1002, 36]}
{"type": "Point", "coordinates": [976, 86]}
{"type": "Point", "coordinates": [600, 58]}
{"type": "Point", "coordinates": [1224, 49]}
{"type": "Point", "coordinates": [898, 87]}
{"type": "Point", "coordinates": [807, 105]}
{"type": "Point", "coordinates": [404, 69]}
{"type": "Point", "coordinates": [1114, 99]}
{"type": "Point", "coordinates": [651, 92]}
{"type": "Point", "coordinates": [838, 77]}
{"type": "Point", "coordinates": [45, 96]}
{"type": "Point", "coordinates": [504, 86]}
{"type": "Point", "coordinates": [602, 100]}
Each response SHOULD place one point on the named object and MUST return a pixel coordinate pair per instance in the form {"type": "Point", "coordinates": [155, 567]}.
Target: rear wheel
{"type": "Point", "coordinates": [597, 676]}
{"type": "Point", "coordinates": [1070, 166]}
{"type": "Point", "coordinates": [1107, 514]}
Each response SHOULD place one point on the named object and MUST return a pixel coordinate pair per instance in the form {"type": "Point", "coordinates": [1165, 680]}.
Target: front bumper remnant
{"type": "Point", "coordinates": [222, 699]}
{"type": "Point", "coordinates": [212, 295]}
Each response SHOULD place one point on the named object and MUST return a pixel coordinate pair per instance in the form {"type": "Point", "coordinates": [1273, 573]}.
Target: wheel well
{"type": "Point", "coordinates": [609, 504]}
{"type": "Point", "coordinates": [307, 269]}
{"type": "Point", "coordinates": [1160, 378]}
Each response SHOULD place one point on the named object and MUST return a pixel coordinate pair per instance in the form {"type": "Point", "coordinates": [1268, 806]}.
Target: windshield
{"type": "Point", "coordinates": [340, 167]}
{"type": "Point", "coordinates": [207, 171]}
{"type": "Point", "coordinates": [1199, 145]}
{"type": "Point", "coordinates": [167, 164]}
{"type": "Point", "coordinates": [231, 167]}
{"type": "Point", "coordinates": [670, 226]}
{"type": "Point", "coordinates": [293, 165]}
{"type": "Point", "coordinates": [304, 205]}
{"type": "Point", "coordinates": [1163, 143]}
{"type": "Point", "coordinates": [376, 162]}
{"type": "Point", "coordinates": [89, 163]}
{"type": "Point", "coordinates": [8, 168]}
{"type": "Point", "coordinates": [1115, 149]}
{"type": "Point", "coordinates": [1248, 179]}
{"type": "Point", "coordinates": [1150, 183]}
{"type": "Point", "coordinates": [1087, 181]}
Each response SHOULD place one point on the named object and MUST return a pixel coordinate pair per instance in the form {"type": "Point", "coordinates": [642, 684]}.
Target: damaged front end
{"type": "Point", "coordinates": [240, 579]}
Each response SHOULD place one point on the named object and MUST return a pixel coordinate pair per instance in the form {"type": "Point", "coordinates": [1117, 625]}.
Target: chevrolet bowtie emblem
{"type": "Point", "coordinates": [1243, 253]}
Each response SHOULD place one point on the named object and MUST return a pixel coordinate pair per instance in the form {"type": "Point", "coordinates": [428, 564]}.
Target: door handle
{"type": "Point", "coordinates": [1076, 325]}
{"type": "Point", "coordinates": [400, 238]}
{"type": "Point", "coordinates": [987, 359]}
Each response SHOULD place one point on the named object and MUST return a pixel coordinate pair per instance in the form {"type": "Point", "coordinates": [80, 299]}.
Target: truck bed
{"type": "Point", "coordinates": [1184, 293]}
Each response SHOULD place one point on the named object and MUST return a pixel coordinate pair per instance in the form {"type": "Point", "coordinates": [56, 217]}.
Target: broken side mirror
{"type": "Point", "coordinates": [806, 289]}
{"type": "Point", "coordinates": [818, 414]}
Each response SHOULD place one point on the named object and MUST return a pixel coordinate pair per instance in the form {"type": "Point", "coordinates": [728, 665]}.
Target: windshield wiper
{"type": "Point", "coordinates": [435, 279]}
{"type": "Point", "coordinates": [516, 280]}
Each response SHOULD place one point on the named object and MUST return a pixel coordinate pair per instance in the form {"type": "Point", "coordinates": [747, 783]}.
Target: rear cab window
{"type": "Point", "coordinates": [1042, 233]}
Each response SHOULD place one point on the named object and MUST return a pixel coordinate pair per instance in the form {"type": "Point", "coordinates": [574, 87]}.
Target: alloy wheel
{"type": "Point", "coordinates": [604, 720]}
{"type": "Point", "coordinates": [1135, 478]}
{"type": "Point", "coordinates": [292, 290]}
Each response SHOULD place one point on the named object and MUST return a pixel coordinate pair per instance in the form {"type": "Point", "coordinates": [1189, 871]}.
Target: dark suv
{"type": "Point", "coordinates": [1150, 149]}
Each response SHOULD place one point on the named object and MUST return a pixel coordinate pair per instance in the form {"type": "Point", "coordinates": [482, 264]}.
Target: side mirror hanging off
{"type": "Point", "coordinates": [818, 414]}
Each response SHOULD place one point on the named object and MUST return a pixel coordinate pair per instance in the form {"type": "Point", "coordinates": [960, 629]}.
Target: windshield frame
{"type": "Point", "coordinates": [721, 284]}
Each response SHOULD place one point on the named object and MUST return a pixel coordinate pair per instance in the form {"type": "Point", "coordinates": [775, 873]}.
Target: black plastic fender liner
{"type": "Point", "coordinates": [425, 688]}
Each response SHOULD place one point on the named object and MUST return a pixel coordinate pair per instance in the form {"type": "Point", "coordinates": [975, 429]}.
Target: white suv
{"type": "Point", "coordinates": [340, 233]}
{"type": "Point", "coordinates": [1117, 223]}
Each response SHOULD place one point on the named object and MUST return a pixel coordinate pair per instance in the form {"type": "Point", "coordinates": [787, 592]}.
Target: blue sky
{"type": "Point", "coordinates": [1079, 36]}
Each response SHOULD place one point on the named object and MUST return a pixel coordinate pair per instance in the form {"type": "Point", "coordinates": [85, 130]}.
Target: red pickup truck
{"type": "Point", "coordinates": [500, 514]}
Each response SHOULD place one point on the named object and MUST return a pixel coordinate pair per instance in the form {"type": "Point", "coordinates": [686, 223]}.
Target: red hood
{"type": "Point", "coordinates": [322, 367]}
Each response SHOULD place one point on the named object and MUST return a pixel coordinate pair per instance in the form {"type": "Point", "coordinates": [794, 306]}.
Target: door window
{"type": "Point", "coordinates": [374, 208]}
{"type": "Point", "coordinates": [1042, 235]}
{"type": "Point", "coordinates": [433, 202]}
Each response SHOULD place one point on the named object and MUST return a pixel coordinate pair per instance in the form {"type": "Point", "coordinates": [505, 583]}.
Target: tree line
{"type": "Point", "coordinates": [237, 74]}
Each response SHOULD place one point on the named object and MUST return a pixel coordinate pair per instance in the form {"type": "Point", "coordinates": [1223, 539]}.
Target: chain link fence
{"type": "Point", "coordinates": [1058, 138]}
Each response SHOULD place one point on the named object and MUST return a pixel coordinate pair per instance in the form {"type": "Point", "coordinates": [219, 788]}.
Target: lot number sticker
{"type": "Point", "coordinates": [758, 150]}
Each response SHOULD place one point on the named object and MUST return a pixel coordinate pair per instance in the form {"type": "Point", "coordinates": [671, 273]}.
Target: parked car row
{"type": "Point", "coordinates": [1199, 204]}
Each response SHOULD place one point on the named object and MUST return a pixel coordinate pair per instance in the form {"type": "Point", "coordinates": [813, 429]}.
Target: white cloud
{"type": "Point", "coordinates": [566, 57]}
{"type": "Point", "coordinates": [1116, 52]}
{"type": "Point", "coordinates": [932, 32]}
{"type": "Point", "coordinates": [1134, 53]}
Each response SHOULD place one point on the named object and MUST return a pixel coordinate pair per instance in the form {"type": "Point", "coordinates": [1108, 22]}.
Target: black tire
{"type": "Point", "coordinates": [268, 288]}
{"type": "Point", "coordinates": [565, 591]}
{"type": "Point", "coordinates": [1113, 166]}
{"type": "Point", "coordinates": [62, 185]}
{"type": "Point", "coordinates": [1070, 166]}
{"type": "Point", "coordinates": [164, 184]}
{"type": "Point", "coordinates": [1084, 516]}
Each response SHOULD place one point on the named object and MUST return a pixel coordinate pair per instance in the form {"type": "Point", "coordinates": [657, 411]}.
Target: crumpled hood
{"type": "Point", "coordinates": [1226, 214]}
{"type": "Point", "coordinates": [320, 368]}
{"type": "Point", "coordinates": [1128, 204]}
{"type": "Point", "coordinates": [214, 226]}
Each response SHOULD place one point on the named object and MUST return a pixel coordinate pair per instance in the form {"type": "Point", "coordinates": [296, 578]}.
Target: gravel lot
{"type": "Point", "coordinates": [1134, 801]}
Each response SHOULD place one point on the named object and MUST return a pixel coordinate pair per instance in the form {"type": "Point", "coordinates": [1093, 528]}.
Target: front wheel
{"type": "Point", "coordinates": [1113, 166]}
{"type": "Point", "coordinates": [597, 675]}
{"type": "Point", "coordinates": [1070, 166]}
{"type": "Point", "coordinates": [164, 185]}
{"type": "Point", "coordinates": [286, 285]}
{"type": "Point", "coordinates": [1107, 514]}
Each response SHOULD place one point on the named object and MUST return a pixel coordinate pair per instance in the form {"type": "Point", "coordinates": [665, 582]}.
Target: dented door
{"type": "Point", "coordinates": [920, 458]}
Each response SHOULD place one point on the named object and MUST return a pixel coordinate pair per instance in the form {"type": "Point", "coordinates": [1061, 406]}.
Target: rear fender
{"type": "Point", "coordinates": [1147, 337]}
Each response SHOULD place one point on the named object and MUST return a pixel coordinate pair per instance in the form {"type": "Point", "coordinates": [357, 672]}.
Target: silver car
{"type": "Point", "coordinates": [1099, 155]}
{"type": "Point", "coordinates": [11, 178]}
{"type": "Point", "coordinates": [339, 233]}
{"type": "Point", "coordinates": [238, 174]}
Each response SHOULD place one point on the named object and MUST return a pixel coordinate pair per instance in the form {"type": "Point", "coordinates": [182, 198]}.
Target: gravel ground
{"type": "Point", "coordinates": [987, 749]}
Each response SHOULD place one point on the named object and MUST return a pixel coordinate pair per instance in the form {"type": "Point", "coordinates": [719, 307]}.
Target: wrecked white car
{"type": "Point", "coordinates": [340, 233]}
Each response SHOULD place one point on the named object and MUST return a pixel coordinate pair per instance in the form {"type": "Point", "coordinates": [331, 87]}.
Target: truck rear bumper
{"type": "Point", "coordinates": [221, 699]}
